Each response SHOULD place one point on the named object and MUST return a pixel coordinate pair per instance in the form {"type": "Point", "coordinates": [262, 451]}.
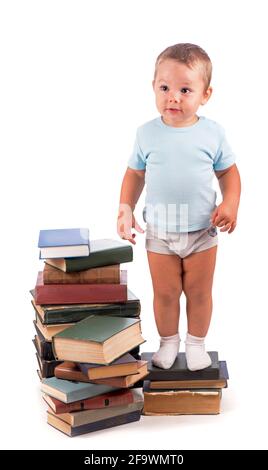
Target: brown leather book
{"type": "Point", "coordinates": [57, 294]}
{"type": "Point", "coordinates": [126, 381]}
{"type": "Point", "coordinates": [124, 365]}
{"type": "Point", "coordinates": [117, 398]}
{"type": "Point", "coordinates": [102, 275]}
{"type": "Point", "coordinates": [70, 371]}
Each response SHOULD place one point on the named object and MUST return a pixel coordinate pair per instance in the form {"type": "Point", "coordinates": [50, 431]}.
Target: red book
{"type": "Point", "coordinates": [56, 294]}
{"type": "Point", "coordinates": [118, 398]}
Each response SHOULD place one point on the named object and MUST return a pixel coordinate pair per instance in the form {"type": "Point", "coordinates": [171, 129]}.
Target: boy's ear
{"type": "Point", "coordinates": [153, 83]}
{"type": "Point", "coordinates": [207, 95]}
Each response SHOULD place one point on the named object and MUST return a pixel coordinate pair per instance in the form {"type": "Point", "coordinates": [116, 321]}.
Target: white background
{"type": "Point", "coordinates": [75, 83]}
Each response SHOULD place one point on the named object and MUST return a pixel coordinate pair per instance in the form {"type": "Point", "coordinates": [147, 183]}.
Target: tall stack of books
{"type": "Point", "coordinates": [88, 333]}
{"type": "Point", "coordinates": [178, 390]}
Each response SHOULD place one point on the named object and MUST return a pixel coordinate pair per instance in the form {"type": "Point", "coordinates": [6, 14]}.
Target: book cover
{"type": "Point", "coordinates": [179, 369]}
{"type": "Point", "coordinates": [79, 293]}
{"type": "Point", "coordinates": [103, 252]}
{"type": "Point", "coordinates": [73, 313]}
{"type": "Point", "coordinates": [60, 243]}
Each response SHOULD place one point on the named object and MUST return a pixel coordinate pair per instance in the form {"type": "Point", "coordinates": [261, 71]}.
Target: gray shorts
{"type": "Point", "coordinates": [182, 244]}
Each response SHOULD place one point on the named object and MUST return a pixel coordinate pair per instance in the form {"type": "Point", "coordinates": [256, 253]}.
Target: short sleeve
{"type": "Point", "coordinates": [137, 160]}
{"type": "Point", "coordinates": [224, 157]}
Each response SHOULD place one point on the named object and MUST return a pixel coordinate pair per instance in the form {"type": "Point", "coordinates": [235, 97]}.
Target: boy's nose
{"type": "Point", "coordinates": [175, 96]}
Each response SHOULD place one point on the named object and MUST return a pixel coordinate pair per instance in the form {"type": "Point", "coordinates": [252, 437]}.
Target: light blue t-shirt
{"type": "Point", "coordinates": [180, 164]}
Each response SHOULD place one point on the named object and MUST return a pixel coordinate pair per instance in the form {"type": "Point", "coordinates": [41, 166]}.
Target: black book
{"type": "Point", "coordinates": [46, 367]}
{"type": "Point", "coordinates": [56, 422]}
{"type": "Point", "coordinates": [179, 369]}
{"type": "Point", "coordinates": [43, 347]}
{"type": "Point", "coordinates": [103, 252]}
{"type": "Point", "coordinates": [50, 314]}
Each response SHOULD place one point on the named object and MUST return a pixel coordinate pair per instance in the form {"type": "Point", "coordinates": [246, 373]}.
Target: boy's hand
{"type": "Point", "coordinates": [224, 216]}
{"type": "Point", "coordinates": [125, 222]}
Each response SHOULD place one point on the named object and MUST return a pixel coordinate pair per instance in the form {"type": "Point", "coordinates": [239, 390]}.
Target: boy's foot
{"type": "Point", "coordinates": [196, 356]}
{"type": "Point", "coordinates": [168, 351]}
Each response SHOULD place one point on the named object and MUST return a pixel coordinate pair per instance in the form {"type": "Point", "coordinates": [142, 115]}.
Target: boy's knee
{"type": "Point", "coordinates": [168, 295]}
{"type": "Point", "coordinates": [198, 295]}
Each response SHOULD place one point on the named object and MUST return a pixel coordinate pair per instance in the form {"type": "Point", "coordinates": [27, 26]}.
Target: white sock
{"type": "Point", "coordinates": [167, 353]}
{"type": "Point", "coordinates": [196, 356]}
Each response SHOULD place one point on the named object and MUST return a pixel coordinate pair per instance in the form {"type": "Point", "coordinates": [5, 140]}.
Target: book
{"type": "Point", "coordinates": [45, 351]}
{"type": "Point", "coordinates": [39, 375]}
{"type": "Point", "coordinates": [48, 331]}
{"type": "Point", "coordinates": [97, 339]}
{"type": "Point", "coordinates": [71, 431]}
{"type": "Point", "coordinates": [117, 398]}
{"type": "Point", "coordinates": [79, 418]}
{"type": "Point", "coordinates": [179, 370]}
{"type": "Point", "coordinates": [70, 371]}
{"type": "Point", "coordinates": [67, 391]}
{"type": "Point", "coordinates": [75, 312]}
{"type": "Point", "coordinates": [124, 365]}
{"type": "Point", "coordinates": [177, 402]}
{"type": "Point", "coordinates": [103, 252]}
{"type": "Point", "coordinates": [61, 243]}
{"type": "Point", "coordinates": [126, 381]}
{"type": "Point", "coordinates": [102, 275]}
{"type": "Point", "coordinates": [79, 293]}
{"type": "Point", "coordinates": [46, 367]}
{"type": "Point", "coordinates": [221, 382]}
{"type": "Point", "coordinates": [43, 347]}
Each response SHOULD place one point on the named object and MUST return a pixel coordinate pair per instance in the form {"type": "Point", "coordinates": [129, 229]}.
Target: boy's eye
{"type": "Point", "coordinates": [163, 87]}
{"type": "Point", "coordinates": [184, 91]}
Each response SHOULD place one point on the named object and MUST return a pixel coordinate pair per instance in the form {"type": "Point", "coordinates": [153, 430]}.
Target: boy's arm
{"type": "Point", "coordinates": [131, 189]}
{"type": "Point", "coordinates": [225, 214]}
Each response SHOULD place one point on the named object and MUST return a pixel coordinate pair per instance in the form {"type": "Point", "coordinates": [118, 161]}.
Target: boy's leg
{"type": "Point", "coordinates": [198, 271]}
{"type": "Point", "coordinates": [166, 273]}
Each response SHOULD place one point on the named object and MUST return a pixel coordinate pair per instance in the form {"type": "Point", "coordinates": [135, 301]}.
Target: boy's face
{"type": "Point", "coordinates": [179, 91]}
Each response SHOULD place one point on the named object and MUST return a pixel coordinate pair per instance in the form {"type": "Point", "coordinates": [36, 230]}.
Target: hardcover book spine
{"type": "Point", "coordinates": [102, 275]}
{"type": "Point", "coordinates": [75, 314]}
{"type": "Point", "coordinates": [122, 397]}
{"type": "Point", "coordinates": [80, 293]}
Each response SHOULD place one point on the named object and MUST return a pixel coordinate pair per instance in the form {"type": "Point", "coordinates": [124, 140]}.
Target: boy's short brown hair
{"type": "Point", "coordinates": [190, 55]}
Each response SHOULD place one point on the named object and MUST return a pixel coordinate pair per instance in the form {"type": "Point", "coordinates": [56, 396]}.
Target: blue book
{"type": "Point", "coordinates": [69, 391]}
{"type": "Point", "coordinates": [64, 243]}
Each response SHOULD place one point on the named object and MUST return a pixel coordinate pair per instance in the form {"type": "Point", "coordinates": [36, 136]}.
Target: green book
{"type": "Point", "coordinates": [179, 370]}
{"type": "Point", "coordinates": [69, 391]}
{"type": "Point", "coordinates": [103, 252]}
{"type": "Point", "coordinates": [97, 339]}
{"type": "Point", "coordinates": [50, 314]}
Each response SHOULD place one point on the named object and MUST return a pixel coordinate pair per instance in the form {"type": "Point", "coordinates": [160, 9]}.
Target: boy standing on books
{"type": "Point", "coordinates": [177, 155]}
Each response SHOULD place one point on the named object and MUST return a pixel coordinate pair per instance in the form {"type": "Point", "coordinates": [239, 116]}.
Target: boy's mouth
{"type": "Point", "coordinates": [173, 110]}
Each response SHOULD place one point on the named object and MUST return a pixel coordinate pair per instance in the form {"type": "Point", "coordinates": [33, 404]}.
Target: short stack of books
{"type": "Point", "coordinates": [178, 390]}
{"type": "Point", "coordinates": [88, 333]}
